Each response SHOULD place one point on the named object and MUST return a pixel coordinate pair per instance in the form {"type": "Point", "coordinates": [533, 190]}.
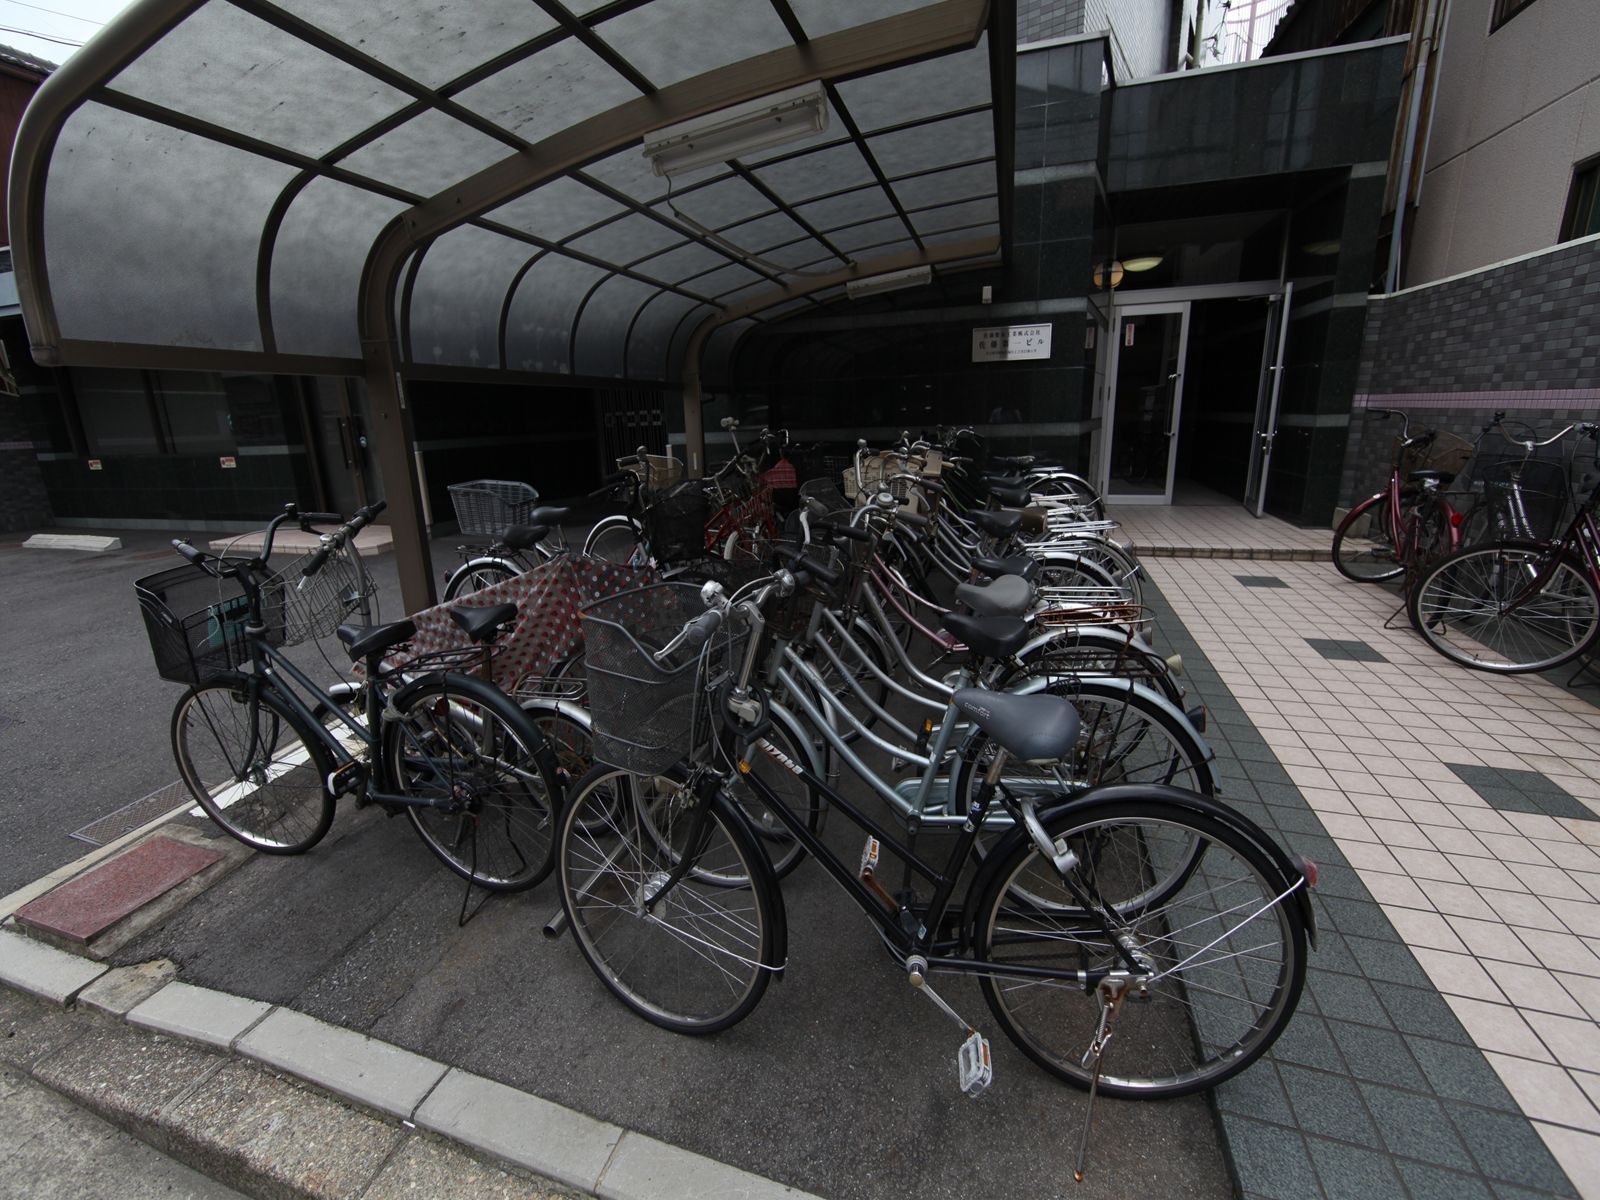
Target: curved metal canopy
{"type": "Point", "coordinates": [293, 186]}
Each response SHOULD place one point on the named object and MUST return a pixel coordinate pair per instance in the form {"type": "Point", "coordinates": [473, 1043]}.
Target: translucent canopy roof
{"type": "Point", "coordinates": [283, 186]}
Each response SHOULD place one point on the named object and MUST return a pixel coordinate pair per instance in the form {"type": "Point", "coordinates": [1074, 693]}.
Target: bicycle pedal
{"type": "Point", "coordinates": [344, 778]}
{"type": "Point", "coordinates": [974, 1066]}
{"type": "Point", "coordinates": [869, 858]}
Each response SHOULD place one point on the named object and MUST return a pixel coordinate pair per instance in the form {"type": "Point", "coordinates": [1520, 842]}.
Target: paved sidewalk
{"type": "Point", "coordinates": [54, 1150]}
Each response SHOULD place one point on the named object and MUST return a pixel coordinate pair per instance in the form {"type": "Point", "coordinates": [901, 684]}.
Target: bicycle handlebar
{"type": "Point", "coordinates": [331, 542]}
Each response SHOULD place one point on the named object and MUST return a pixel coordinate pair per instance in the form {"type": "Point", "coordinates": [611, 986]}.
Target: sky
{"type": "Point", "coordinates": [53, 29]}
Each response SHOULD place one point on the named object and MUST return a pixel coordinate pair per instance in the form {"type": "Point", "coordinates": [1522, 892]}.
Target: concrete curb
{"type": "Point", "coordinates": [229, 1070]}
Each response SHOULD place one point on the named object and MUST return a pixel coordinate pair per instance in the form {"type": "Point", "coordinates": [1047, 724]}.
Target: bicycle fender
{"type": "Point", "coordinates": [1375, 498]}
{"type": "Point", "coordinates": [1036, 684]}
{"type": "Point", "coordinates": [477, 689]}
{"type": "Point", "coordinates": [486, 560]}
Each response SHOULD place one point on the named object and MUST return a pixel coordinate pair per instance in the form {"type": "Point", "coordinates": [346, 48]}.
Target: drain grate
{"type": "Point", "coordinates": [131, 816]}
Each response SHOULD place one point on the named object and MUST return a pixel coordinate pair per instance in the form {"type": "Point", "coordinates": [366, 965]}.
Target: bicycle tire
{"type": "Point", "coordinates": [1457, 606]}
{"type": "Point", "coordinates": [477, 574]}
{"type": "Point", "coordinates": [1379, 559]}
{"type": "Point", "coordinates": [702, 959]}
{"type": "Point", "coordinates": [278, 802]}
{"type": "Point", "coordinates": [468, 748]}
{"type": "Point", "coordinates": [1186, 1031]}
{"type": "Point", "coordinates": [614, 539]}
{"type": "Point", "coordinates": [1126, 735]}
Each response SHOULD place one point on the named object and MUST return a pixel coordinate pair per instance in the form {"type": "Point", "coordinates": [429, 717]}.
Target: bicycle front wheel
{"type": "Point", "coordinates": [1507, 608]}
{"type": "Point", "coordinates": [479, 773]}
{"type": "Point", "coordinates": [681, 948]}
{"type": "Point", "coordinates": [1221, 956]}
{"type": "Point", "coordinates": [1364, 546]}
{"type": "Point", "coordinates": [256, 770]}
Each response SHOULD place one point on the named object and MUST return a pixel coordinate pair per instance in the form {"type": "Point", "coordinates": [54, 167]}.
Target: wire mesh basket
{"type": "Point", "coordinates": [789, 616]}
{"type": "Point", "coordinates": [676, 524]}
{"type": "Point", "coordinates": [488, 506]}
{"type": "Point", "coordinates": [1443, 452]}
{"type": "Point", "coordinates": [195, 634]}
{"type": "Point", "coordinates": [657, 472]}
{"type": "Point", "coordinates": [313, 606]}
{"type": "Point", "coordinates": [1520, 496]}
{"type": "Point", "coordinates": [827, 494]}
{"type": "Point", "coordinates": [647, 714]}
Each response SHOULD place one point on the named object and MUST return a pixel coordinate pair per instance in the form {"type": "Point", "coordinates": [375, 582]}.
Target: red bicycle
{"type": "Point", "coordinates": [1411, 523]}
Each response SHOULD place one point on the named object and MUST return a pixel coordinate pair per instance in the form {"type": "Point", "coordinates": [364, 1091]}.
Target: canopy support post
{"type": "Point", "coordinates": [393, 436]}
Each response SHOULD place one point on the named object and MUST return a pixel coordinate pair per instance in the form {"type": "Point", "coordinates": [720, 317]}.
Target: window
{"type": "Point", "coordinates": [1583, 203]}
{"type": "Point", "coordinates": [1504, 10]}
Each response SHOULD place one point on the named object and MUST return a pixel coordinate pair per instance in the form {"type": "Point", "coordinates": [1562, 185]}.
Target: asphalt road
{"type": "Point", "coordinates": [84, 719]}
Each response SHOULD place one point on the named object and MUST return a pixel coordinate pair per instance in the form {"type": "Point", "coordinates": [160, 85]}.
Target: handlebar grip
{"type": "Point", "coordinates": [845, 531]}
{"type": "Point", "coordinates": [318, 561]}
{"type": "Point", "coordinates": [184, 548]}
{"type": "Point", "coordinates": [628, 460]}
{"type": "Point", "coordinates": [373, 509]}
{"type": "Point", "coordinates": [698, 632]}
{"type": "Point", "coordinates": [808, 566]}
{"type": "Point", "coordinates": [322, 518]}
{"type": "Point", "coordinates": [915, 520]}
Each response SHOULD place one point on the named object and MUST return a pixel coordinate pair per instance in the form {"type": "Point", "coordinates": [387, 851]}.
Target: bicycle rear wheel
{"type": "Point", "coordinates": [694, 957]}
{"type": "Point", "coordinates": [269, 795]}
{"type": "Point", "coordinates": [1222, 954]}
{"type": "Point", "coordinates": [1364, 545]}
{"type": "Point", "coordinates": [482, 771]}
{"type": "Point", "coordinates": [477, 574]}
{"type": "Point", "coordinates": [1480, 607]}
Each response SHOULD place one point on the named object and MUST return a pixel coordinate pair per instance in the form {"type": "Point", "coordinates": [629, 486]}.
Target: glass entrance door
{"type": "Point", "coordinates": [1149, 346]}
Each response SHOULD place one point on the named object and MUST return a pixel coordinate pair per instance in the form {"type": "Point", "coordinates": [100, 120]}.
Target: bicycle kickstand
{"type": "Point", "coordinates": [1111, 995]}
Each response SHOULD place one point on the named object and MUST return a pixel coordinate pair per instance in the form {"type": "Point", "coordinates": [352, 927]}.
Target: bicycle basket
{"type": "Point", "coordinates": [648, 715]}
{"type": "Point", "coordinates": [1445, 452]}
{"type": "Point", "coordinates": [313, 606]}
{"type": "Point", "coordinates": [488, 506]}
{"type": "Point", "coordinates": [676, 525]}
{"type": "Point", "coordinates": [827, 494]}
{"type": "Point", "coordinates": [657, 472]}
{"type": "Point", "coordinates": [1525, 497]}
{"type": "Point", "coordinates": [196, 634]}
{"type": "Point", "coordinates": [789, 616]}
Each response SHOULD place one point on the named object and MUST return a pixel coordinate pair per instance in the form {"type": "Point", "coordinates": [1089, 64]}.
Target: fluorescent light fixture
{"type": "Point", "coordinates": [785, 116]}
{"type": "Point", "coordinates": [1148, 263]}
{"type": "Point", "coordinates": [893, 281]}
{"type": "Point", "coordinates": [1321, 249]}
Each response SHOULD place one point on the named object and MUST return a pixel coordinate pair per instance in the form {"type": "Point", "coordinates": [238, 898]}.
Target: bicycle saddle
{"type": "Point", "coordinates": [1430, 476]}
{"type": "Point", "coordinates": [549, 515]}
{"type": "Point", "coordinates": [482, 624]}
{"type": "Point", "coordinates": [1005, 481]}
{"type": "Point", "coordinates": [1015, 497]}
{"type": "Point", "coordinates": [364, 640]}
{"type": "Point", "coordinates": [1024, 565]}
{"type": "Point", "coordinates": [988, 637]}
{"type": "Point", "coordinates": [1007, 596]}
{"type": "Point", "coordinates": [522, 537]}
{"type": "Point", "coordinates": [997, 524]}
{"type": "Point", "coordinates": [1036, 729]}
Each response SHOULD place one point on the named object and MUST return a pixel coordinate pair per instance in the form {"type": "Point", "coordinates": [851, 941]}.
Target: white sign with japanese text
{"type": "Point", "coordinates": [1005, 343]}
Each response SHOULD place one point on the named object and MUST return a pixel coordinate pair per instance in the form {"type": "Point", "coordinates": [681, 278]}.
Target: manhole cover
{"type": "Point", "coordinates": [131, 816]}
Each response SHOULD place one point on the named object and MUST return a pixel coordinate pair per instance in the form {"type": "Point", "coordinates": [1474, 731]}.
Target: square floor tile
{"type": "Point", "coordinates": [1345, 650]}
{"type": "Point", "coordinates": [1511, 790]}
{"type": "Point", "coordinates": [1261, 581]}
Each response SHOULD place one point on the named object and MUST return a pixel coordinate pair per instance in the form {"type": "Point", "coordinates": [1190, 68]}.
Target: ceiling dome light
{"type": "Point", "coordinates": [1148, 263]}
{"type": "Point", "coordinates": [1100, 274]}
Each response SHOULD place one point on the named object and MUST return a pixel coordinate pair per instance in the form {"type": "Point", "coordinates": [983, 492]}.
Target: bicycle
{"type": "Point", "coordinates": [1518, 605]}
{"type": "Point", "coordinates": [514, 551]}
{"type": "Point", "coordinates": [453, 752]}
{"type": "Point", "coordinates": [1397, 531]}
{"type": "Point", "coordinates": [1146, 911]}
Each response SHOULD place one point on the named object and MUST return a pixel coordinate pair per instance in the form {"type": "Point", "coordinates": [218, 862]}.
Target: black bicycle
{"type": "Point", "coordinates": [266, 752]}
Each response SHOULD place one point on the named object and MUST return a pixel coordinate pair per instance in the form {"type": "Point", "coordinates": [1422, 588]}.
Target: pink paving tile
{"type": "Point", "coordinates": [1535, 987]}
{"type": "Point", "coordinates": [1560, 951]}
{"type": "Point", "coordinates": [1488, 873]}
{"type": "Point", "coordinates": [1573, 1041]}
{"type": "Point", "coordinates": [1518, 908]}
{"type": "Point", "coordinates": [99, 898]}
{"type": "Point", "coordinates": [1548, 882]}
{"type": "Point", "coordinates": [1546, 1092]}
{"type": "Point", "coordinates": [1459, 975]}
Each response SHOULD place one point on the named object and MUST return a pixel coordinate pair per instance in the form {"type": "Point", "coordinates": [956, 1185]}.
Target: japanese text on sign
{"type": "Point", "coordinates": [1007, 342]}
